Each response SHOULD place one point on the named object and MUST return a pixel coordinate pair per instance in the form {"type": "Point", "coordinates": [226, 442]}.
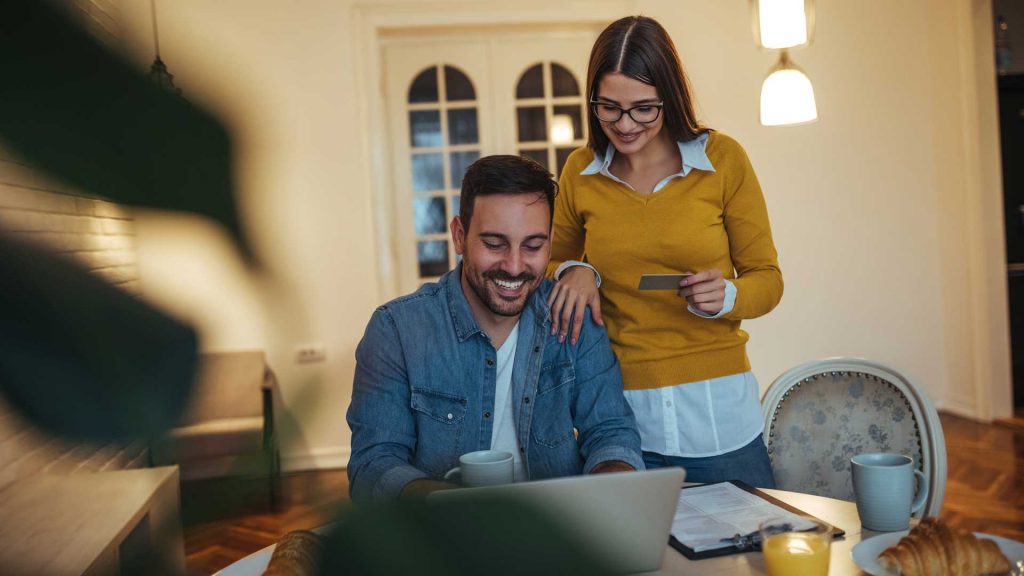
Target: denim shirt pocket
{"type": "Point", "coordinates": [439, 421]}
{"type": "Point", "coordinates": [552, 412]}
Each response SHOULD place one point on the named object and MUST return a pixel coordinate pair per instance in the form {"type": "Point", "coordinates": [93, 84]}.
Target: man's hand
{"type": "Point", "coordinates": [612, 466]}
{"type": "Point", "coordinates": [419, 489]}
{"type": "Point", "coordinates": [568, 300]}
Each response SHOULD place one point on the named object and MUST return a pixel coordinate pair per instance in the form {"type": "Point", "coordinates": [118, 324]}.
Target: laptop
{"type": "Point", "coordinates": [625, 515]}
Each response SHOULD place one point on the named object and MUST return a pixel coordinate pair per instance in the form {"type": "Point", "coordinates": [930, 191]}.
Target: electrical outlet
{"type": "Point", "coordinates": [310, 352]}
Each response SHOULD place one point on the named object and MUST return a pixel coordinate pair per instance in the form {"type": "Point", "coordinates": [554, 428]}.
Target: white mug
{"type": "Point", "coordinates": [883, 484]}
{"type": "Point", "coordinates": [482, 468]}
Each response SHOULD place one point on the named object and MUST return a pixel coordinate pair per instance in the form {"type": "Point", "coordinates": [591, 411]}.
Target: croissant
{"type": "Point", "coordinates": [297, 554]}
{"type": "Point", "coordinates": [933, 548]}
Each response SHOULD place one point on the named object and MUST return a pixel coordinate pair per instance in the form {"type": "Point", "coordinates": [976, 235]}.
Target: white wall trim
{"type": "Point", "coordinates": [328, 458]}
{"type": "Point", "coordinates": [963, 410]}
{"type": "Point", "coordinates": [370, 19]}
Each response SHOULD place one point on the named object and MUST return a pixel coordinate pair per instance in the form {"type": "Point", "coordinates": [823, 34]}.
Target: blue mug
{"type": "Point", "coordinates": [883, 484]}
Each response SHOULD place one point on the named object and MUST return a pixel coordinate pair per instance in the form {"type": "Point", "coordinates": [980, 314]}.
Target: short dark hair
{"type": "Point", "coordinates": [505, 174]}
{"type": "Point", "coordinates": [638, 47]}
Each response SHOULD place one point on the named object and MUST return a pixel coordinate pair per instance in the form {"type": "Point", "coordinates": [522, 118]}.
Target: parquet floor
{"type": "Point", "coordinates": [228, 520]}
{"type": "Point", "coordinates": [241, 521]}
{"type": "Point", "coordinates": [985, 484]}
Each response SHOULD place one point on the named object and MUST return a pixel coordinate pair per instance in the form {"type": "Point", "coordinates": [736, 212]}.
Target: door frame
{"type": "Point", "coordinates": [979, 381]}
{"type": "Point", "coordinates": [371, 20]}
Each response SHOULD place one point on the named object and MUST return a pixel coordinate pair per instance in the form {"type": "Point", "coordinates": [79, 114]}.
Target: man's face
{"type": "Point", "coordinates": [504, 253]}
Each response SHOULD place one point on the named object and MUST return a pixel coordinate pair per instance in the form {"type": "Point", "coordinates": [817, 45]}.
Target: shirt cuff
{"type": "Point", "coordinates": [727, 306]}
{"type": "Point", "coordinates": [609, 453]}
{"type": "Point", "coordinates": [570, 263]}
{"type": "Point", "coordinates": [392, 482]}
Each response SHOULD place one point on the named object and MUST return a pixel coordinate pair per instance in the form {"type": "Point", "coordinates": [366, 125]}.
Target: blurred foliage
{"type": "Point", "coordinates": [82, 358]}
{"type": "Point", "coordinates": [77, 111]}
{"type": "Point", "coordinates": [496, 537]}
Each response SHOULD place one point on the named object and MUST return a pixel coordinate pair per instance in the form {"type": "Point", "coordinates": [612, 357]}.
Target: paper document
{"type": "Point", "coordinates": [708, 514]}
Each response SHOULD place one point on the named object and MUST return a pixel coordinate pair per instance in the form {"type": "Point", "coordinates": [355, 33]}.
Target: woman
{"type": "Point", "coordinates": [654, 192]}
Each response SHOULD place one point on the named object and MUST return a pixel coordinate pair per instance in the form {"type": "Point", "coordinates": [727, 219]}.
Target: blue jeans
{"type": "Point", "coordinates": [749, 464]}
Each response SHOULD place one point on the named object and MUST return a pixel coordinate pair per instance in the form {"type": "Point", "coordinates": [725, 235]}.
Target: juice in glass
{"type": "Point", "coordinates": [791, 550]}
{"type": "Point", "coordinates": [795, 553]}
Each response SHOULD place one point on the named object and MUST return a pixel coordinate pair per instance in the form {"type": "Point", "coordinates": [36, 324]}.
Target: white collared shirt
{"type": "Point", "coordinates": [691, 419]}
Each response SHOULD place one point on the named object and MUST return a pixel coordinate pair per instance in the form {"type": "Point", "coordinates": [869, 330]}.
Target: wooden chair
{"type": "Point", "coordinates": [227, 429]}
{"type": "Point", "coordinates": [820, 414]}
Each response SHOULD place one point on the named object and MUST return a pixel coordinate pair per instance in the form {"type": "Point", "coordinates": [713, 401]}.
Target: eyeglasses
{"type": "Point", "coordinates": [610, 113]}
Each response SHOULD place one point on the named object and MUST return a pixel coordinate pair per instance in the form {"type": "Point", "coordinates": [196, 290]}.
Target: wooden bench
{"type": "Point", "coordinates": [107, 523]}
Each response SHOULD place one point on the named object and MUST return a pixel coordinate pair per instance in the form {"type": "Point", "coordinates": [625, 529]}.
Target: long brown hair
{"type": "Point", "coordinates": [638, 47]}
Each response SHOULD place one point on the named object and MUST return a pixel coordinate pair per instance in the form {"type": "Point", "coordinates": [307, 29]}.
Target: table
{"type": "Point", "coordinates": [836, 512]}
{"type": "Point", "coordinates": [91, 523]}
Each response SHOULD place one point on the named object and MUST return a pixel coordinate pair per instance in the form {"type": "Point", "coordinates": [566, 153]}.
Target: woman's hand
{"type": "Point", "coordinates": [705, 291]}
{"type": "Point", "coordinates": [576, 289]}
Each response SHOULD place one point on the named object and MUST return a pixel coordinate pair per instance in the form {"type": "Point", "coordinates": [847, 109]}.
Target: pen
{"type": "Point", "coordinates": [753, 540]}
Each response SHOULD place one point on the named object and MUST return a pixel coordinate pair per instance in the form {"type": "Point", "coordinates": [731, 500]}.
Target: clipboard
{"type": "Point", "coordinates": [691, 554]}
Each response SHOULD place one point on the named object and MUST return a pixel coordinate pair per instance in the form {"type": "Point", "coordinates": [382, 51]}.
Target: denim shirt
{"type": "Point", "coordinates": [424, 393]}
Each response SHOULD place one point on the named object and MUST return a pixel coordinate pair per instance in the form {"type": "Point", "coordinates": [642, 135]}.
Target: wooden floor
{"type": "Point", "coordinates": [227, 520]}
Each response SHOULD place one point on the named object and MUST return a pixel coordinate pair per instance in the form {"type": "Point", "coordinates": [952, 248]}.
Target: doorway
{"type": "Point", "coordinates": [1009, 53]}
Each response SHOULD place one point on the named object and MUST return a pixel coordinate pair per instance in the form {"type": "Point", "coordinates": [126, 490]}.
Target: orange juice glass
{"type": "Point", "coordinates": [789, 551]}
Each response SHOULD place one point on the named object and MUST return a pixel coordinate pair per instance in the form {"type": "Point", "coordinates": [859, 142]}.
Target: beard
{"type": "Point", "coordinates": [484, 288]}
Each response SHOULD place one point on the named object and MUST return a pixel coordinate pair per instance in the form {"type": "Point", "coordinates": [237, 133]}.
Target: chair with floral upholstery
{"type": "Point", "coordinates": [819, 415]}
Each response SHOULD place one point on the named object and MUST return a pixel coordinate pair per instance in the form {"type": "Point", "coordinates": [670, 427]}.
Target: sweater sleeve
{"type": "Point", "coordinates": [758, 277]}
{"type": "Point", "coordinates": [568, 235]}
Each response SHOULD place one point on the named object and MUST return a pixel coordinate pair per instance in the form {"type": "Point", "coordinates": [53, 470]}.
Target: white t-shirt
{"type": "Point", "coordinates": [503, 434]}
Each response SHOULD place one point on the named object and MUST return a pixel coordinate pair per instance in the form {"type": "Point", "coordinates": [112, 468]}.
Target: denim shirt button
{"type": "Point", "coordinates": [526, 400]}
{"type": "Point", "coordinates": [490, 362]}
{"type": "Point", "coordinates": [487, 414]}
{"type": "Point", "coordinates": [450, 416]}
{"type": "Point", "coordinates": [536, 348]}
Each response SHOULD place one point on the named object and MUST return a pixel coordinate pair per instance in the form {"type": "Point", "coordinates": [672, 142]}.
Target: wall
{"type": "Point", "coordinates": [876, 211]}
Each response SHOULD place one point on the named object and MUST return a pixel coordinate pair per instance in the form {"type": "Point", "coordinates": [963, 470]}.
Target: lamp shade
{"type": "Point", "coordinates": [561, 130]}
{"type": "Point", "coordinates": [787, 96]}
{"type": "Point", "coordinates": [780, 24]}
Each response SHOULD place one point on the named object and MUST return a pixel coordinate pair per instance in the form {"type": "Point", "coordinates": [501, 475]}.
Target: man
{"type": "Point", "coordinates": [469, 363]}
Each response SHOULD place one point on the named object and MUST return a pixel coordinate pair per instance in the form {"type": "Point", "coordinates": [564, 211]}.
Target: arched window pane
{"type": "Point", "coordinates": [432, 256]}
{"type": "Point", "coordinates": [456, 205]}
{"type": "Point", "coordinates": [430, 217]}
{"type": "Point", "coordinates": [425, 128]}
{"type": "Point", "coordinates": [538, 156]}
{"type": "Point", "coordinates": [424, 87]}
{"type": "Point", "coordinates": [457, 85]}
{"type": "Point", "coordinates": [533, 126]}
{"type": "Point", "coordinates": [531, 84]}
{"type": "Point", "coordinates": [427, 172]}
{"type": "Point", "coordinates": [462, 128]}
{"type": "Point", "coordinates": [460, 161]}
{"type": "Point", "coordinates": [573, 111]}
{"type": "Point", "coordinates": [563, 83]}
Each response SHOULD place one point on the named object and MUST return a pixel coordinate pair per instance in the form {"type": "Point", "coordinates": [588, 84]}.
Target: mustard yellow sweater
{"type": "Point", "coordinates": [700, 221]}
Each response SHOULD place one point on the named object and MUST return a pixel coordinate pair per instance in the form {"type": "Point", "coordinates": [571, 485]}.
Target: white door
{"type": "Point", "coordinates": [455, 96]}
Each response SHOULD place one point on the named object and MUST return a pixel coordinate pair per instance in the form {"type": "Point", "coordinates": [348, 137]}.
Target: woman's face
{"type": "Point", "coordinates": [627, 135]}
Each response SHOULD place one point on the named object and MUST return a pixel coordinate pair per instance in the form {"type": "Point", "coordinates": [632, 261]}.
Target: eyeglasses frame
{"type": "Point", "coordinates": [624, 111]}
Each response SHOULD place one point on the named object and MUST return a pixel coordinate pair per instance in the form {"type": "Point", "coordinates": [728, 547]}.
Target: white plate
{"type": "Point", "coordinates": [865, 554]}
{"type": "Point", "coordinates": [254, 564]}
